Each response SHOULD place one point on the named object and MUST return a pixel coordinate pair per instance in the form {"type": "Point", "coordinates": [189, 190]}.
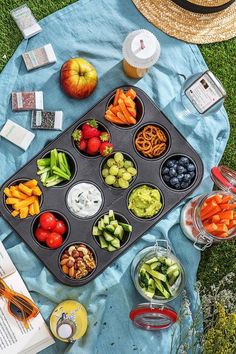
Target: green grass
{"type": "Point", "coordinates": [221, 59]}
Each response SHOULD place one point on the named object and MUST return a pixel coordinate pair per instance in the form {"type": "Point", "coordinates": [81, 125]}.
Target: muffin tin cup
{"type": "Point", "coordinates": [173, 156]}
{"type": "Point", "coordinates": [16, 182]}
{"type": "Point", "coordinates": [168, 141]}
{"type": "Point", "coordinates": [139, 107]}
{"type": "Point", "coordinates": [101, 127]}
{"type": "Point", "coordinates": [120, 218]}
{"type": "Point", "coordinates": [71, 162]}
{"type": "Point", "coordinates": [89, 170]}
{"type": "Point", "coordinates": [126, 156]}
{"type": "Point", "coordinates": [59, 216]}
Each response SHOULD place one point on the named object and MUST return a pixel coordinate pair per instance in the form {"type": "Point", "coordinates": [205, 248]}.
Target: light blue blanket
{"type": "Point", "coordinates": [95, 30]}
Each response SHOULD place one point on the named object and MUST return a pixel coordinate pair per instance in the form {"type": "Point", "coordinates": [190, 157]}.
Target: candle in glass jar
{"type": "Point", "coordinates": [141, 50]}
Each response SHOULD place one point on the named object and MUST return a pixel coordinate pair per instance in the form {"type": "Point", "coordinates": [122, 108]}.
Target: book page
{"type": "Point", "coordinates": [14, 338]}
{"type": "Point", "coordinates": [6, 265]}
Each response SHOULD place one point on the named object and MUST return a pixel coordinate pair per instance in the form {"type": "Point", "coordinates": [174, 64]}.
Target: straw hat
{"type": "Point", "coordinates": [195, 21]}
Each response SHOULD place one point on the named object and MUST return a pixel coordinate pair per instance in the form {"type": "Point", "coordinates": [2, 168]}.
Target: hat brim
{"type": "Point", "coordinates": [188, 26]}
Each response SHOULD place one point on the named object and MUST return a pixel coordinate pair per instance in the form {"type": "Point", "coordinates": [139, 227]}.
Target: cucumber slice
{"type": "Point", "coordinates": [119, 232]}
{"type": "Point", "coordinates": [154, 265]}
{"type": "Point", "coordinates": [169, 262]}
{"type": "Point", "coordinates": [110, 248]}
{"type": "Point", "coordinates": [108, 237]}
{"type": "Point", "coordinates": [114, 223]}
{"type": "Point", "coordinates": [152, 260]}
{"type": "Point", "coordinates": [101, 224]}
{"type": "Point", "coordinates": [154, 273]}
{"type": "Point", "coordinates": [106, 219]}
{"type": "Point", "coordinates": [174, 277]}
{"type": "Point", "coordinates": [150, 292]}
{"type": "Point", "coordinates": [126, 227]}
{"type": "Point", "coordinates": [96, 231]}
{"type": "Point", "coordinates": [115, 243]}
{"type": "Point", "coordinates": [110, 228]}
{"type": "Point", "coordinates": [103, 242]}
{"type": "Point", "coordinates": [172, 269]}
{"type": "Point", "coordinates": [161, 288]}
{"type": "Point", "coordinates": [111, 215]}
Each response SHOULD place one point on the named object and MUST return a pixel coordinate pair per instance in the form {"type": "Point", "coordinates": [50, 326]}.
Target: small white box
{"type": "Point", "coordinates": [39, 57]}
{"type": "Point", "coordinates": [17, 135]}
{"type": "Point", "coordinates": [26, 21]}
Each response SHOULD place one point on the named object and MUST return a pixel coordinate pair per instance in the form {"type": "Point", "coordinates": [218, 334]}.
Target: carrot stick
{"type": "Point", "coordinates": [211, 213]}
{"type": "Point", "coordinates": [113, 119]}
{"type": "Point", "coordinates": [227, 215]}
{"type": "Point", "coordinates": [132, 111]}
{"type": "Point", "coordinates": [220, 234]}
{"type": "Point", "coordinates": [128, 117]}
{"type": "Point", "coordinates": [24, 189]}
{"type": "Point", "coordinates": [31, 183]}
{"type": "Point", "coordinates": [8, 192]}
{"type": "Point", "coordinates": [129, 102]}
{"type": "Point", "coordinates": [228, 206]}
{"type": "Point", "coordinates": [208, 208]}
{"type": "Point", "coordinates": [215, 218]}
{"type": "Point", "coordinates": [116, 97]}
{"type": "Point", "coordinates": [131, 93]}
{"type": "Point", "coordinates": [232, 224]}
{"type": "Point", "coordinates": [121, 116]}
{"type": "Point", "coordinates": [115, 109]}
{"type": "Point", "coordinates": [210, 227]}
{"type": "Point", "coordinates": [226, 199]}
{"type": "Point", "coordinates": [222, 227]}
{"type": "Point", "coordinates": [225, 221]}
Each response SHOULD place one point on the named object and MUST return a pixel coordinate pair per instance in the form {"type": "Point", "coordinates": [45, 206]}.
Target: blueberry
{"type": "Point", "coordinates": [191, 167]}
{"type": "Point", "coordinates": [175, 166]}
{"type": "Point", "coordinates": [180, 176]}
{"type": "Point", "coordinates": [187, 177]}
{"type": "Point", "coordinates": [192, 174]}
{"type": "Point", "coordinates": [165, 171]}
{"type": "Point", "coordinates": [183, 161]}
{"type": "Point", "coordinates": [172, 172]}
{"type": "Point", "coordinates": [170, 163]}
{"type": "Point", "coordinates": [174, 181]}
{"type": "Point", "coordinates": [184, 185]}
{"type": "Point", "coordinates": [177, 186]}
{"type": "Point", "coordinates": [180, 169]}
{"type": "Point", "coordinates": [166, 178]}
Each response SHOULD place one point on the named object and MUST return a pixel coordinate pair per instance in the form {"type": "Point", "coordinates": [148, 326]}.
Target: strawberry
{"type": "Point", "coordinates": [106, 148]}
{"type": "Point", "coordinates": [77, 135]}
{"type": "Point", "coordinates": [82, 144]}
{"type": "Point", "coordinates": [90, 130]}
{"type": "Point", "coordinates": [93, 145]}
{"type": "Point", "coordinates": [104, 136]}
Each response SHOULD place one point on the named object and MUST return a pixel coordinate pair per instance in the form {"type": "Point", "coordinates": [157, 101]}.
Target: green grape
{"type": "Point", "coordinates": [121, 172]}
{"type": "Point", "coordinates": [120, 164]}
{"type": "Point", "coordinates": [132, 171]}
{"type": "Point", "coordinates": [116, 184]}
{"type": "Point", "coordinates": [110, 180]}
{"type": "Point", "coordinates": [118, 157]}
{"type": "Point", "coordinates": [105, 166]}
{"type": "Point", "coordinates": [110, 162]}
{"type": "Point", "coordinates": [114, 170]}
{"type": "Point", "coordinates": [127, 176]}
{"type": "Point", "coordinates": [128, 164]}
{"type": "Point", "coordinates": [105, 172]}
{"type": "Point", "coordinates": [123, 184]}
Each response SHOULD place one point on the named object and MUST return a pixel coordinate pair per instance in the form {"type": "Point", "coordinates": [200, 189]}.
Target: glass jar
{"type": "Point", "coordinates": [154, 314]}
{"type": "Point", "coordinates": [217, 223]}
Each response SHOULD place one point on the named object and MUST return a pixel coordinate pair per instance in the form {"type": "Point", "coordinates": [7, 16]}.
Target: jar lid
{"type": "Point", "coordinates": [141, 49]}
{"type": "Point", "coordinates": [153, 317]}
{"type": "Point", "coordinates": [224, 178]}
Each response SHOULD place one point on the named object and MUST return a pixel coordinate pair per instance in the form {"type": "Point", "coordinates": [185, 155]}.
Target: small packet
{"type": "Point", "coordinates": [17, 134]}
{"type": "Point", "coordinates": [27, 101]}
{"type": "Point", "coordinates": [39, 57]}
{"type": "Point", "coordinates": [26, 21]}
{"type": "Point", "coordinates": [47, 120]}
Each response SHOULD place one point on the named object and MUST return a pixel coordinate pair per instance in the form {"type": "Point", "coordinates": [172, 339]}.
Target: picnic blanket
{"type": "Point", "coordinates": [95, 31]}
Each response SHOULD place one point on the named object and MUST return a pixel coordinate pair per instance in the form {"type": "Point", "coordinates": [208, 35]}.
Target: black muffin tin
{"type": "Point", "coordinates": [88, 169]}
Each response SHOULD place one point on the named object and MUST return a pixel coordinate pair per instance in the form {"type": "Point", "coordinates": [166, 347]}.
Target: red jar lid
{"type": "Point", "coordinates": [153, 317]}
{"type": "Point", "coordinates": [224, 178]}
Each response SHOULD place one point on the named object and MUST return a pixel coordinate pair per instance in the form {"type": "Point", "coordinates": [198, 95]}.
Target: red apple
{"type": "Point", "coordinates": [78, 78]}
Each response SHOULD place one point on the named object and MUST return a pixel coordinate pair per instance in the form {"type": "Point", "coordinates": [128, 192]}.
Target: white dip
{"type": "Point", "coordinates": [84, 200]}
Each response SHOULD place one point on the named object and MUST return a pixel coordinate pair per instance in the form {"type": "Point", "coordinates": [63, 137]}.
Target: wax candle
{"type": "Point", "coordinates": [141, 50]}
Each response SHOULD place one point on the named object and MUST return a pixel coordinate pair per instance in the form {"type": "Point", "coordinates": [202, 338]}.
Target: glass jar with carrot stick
{"type": "Point", "coordinates": [211, 218]}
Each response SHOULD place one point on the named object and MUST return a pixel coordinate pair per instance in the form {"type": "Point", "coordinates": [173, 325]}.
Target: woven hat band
{"type": "Point", "coordinates": [190, 6]}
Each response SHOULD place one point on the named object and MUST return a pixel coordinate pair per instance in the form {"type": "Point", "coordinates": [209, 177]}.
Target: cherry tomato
{"type": "Point", "coordinates": [54, 240]}
{"type": "Point", "coordinates": [60, 227]}
{"type": "Point", "coordinates": [41, 235]}
{"type": "Point", "coordinates": [47, 221]}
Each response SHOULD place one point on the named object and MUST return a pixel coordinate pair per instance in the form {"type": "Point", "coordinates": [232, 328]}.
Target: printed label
{"type": "Point", "coordinates": [19, 100]}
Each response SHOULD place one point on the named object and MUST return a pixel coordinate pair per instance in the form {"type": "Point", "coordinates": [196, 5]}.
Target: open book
{"type": "Point", "coordinates": [14, 338]}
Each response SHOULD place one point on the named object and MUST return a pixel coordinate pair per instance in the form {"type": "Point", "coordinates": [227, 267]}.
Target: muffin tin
{"type": "Point", "coordinates": [89, 169]}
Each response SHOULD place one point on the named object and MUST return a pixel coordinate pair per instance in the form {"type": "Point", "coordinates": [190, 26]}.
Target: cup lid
{"type": "Point", "coordinates": [141, 49]}
{"type": "Point", "coordinates": [153, 317]}
{"type": "Point", "coordinates": [224, 178]}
